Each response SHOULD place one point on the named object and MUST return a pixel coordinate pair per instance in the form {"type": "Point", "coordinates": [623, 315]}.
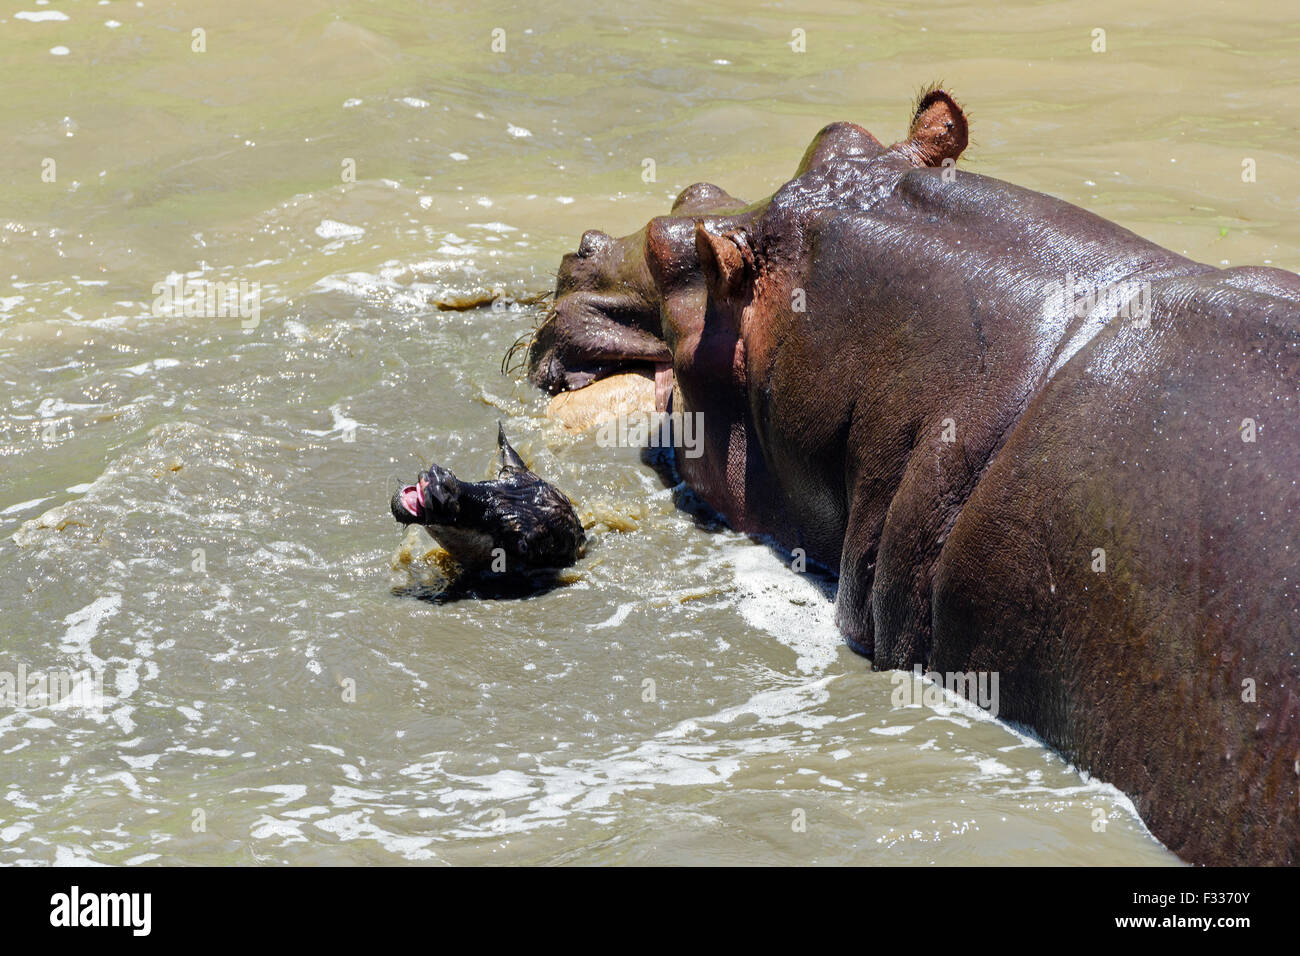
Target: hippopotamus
{"type": "Point", "coordinates": [512, 524]}
{"type": "Point", "coordinates": [1028, 441]}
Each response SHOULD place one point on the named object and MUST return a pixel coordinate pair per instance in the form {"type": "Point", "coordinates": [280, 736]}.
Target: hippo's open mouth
{"type": "Point", "coordinates": [598, 359]}
{"type": "Point", "coordinates": [660, 371]}
{"type": "Point", "coordinates": [605, 328]}
{"type": "Point", "coordinates": [636, 389]}
{"type": "Point", "coordinates": [580, 344]}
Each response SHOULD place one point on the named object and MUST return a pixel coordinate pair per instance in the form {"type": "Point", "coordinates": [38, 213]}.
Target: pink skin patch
{"type": "Point", "coordinates": [413, 496]}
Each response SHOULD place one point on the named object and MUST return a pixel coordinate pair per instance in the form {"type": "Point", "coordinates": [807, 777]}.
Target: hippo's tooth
{"type": "Point", "coordinates": [663, 385]}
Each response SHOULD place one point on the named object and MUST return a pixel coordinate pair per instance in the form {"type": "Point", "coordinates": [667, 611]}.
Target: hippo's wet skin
{"type": "Point", "coordinates": [514, 523]}
{"type": "Point", "coordinates": [929, 381]}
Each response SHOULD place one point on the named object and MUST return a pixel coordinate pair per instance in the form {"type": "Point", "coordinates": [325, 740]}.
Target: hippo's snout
{"type": "Point", "coordinates": [604, 317]}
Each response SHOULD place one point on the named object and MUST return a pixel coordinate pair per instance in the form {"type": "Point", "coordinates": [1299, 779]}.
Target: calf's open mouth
{"type": "Point", "coordinates": [412, 498]}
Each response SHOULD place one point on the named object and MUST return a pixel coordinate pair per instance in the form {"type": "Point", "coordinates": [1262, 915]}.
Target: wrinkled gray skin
{"type": "Point", "coordinates": [892, 381]}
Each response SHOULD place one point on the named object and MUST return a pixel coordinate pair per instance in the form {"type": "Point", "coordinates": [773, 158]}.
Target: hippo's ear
{"type": "Point", "coordinates": [726, 259]}
{"type": "Point", "coordinates": [938, 130]}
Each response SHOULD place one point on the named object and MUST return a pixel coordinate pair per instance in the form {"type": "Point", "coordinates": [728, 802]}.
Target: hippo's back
{"type": "Point", "coordinates": [1130, 560]}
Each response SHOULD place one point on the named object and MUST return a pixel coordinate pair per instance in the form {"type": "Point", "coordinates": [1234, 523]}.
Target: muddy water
{"type": "Point", "coordinates": [194, 511]}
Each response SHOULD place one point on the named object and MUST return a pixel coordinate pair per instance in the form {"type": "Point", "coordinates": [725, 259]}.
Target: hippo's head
{"type": "Point", "coordinates": [683, 296]}
{"type": "Point", "coordinates": [605, 316]}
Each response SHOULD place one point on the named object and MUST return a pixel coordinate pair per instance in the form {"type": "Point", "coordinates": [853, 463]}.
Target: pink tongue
{"type": "Point", "coordinates": [663, 385]}
{"type": "Point", "coordinates": [411, 495]}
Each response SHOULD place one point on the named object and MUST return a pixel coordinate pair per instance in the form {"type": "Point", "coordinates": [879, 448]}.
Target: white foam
{"type": "Point", "coordinates": [287, 792]}
{"type": "Point", "coordinates": [154, 365]}
{"type": "Point", "coordinates": [678, 757]}
{"type": "Point", "coordinates": [265, 827]}
{"type": "Point", "coordinates": [342, 423]}
{"type": "Point", "coordinates": [24, 505]}
{"type": "Point", "coordinates": [14, 831]}
{"type": "Point", "coordinates": [788, 606]}
{"type": "Point", "coordinates": [333, 229]}
{"type": "Point", "coordinates": [50, 407]}
{"type": "Point", "coordinates": [617, 618]}
{"type": "Point", "coordinates": [83, 626]}
{"type": "Point", "coordinates": [894, 730]}
{"type": "Point", "coordinates": [71, 856]}
{"type": "Point", "coordinates": [992, 767]}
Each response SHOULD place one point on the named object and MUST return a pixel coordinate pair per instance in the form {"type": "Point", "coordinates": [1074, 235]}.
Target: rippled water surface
{"type": "Point", "coordinates": [198, 511]}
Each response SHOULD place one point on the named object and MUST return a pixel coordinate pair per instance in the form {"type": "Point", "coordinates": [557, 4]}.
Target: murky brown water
{"type": "Point", "coordinates": [198, 511]}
